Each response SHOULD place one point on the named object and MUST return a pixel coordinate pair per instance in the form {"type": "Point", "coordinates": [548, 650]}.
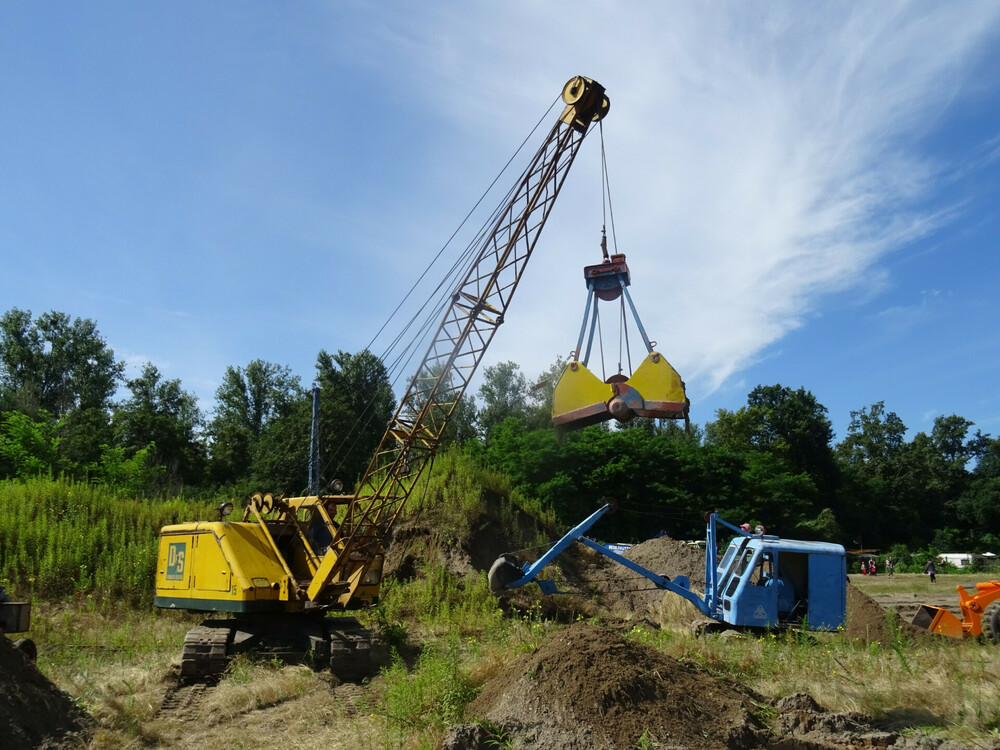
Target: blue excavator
{"type": "Point", "coordinates": [761, 580]}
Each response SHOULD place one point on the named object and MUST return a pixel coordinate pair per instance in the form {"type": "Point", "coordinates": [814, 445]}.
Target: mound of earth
{"type": "Point", "coordinates": [587, 687]}
{"type": "Point", "coordinates": [621, 592]}
{"type": "Point", "coordinates": [869, 622]}
{"type": "Point", "coordinates": [418, 539]}
{"type": "Point", "coordinates": [34, 713]}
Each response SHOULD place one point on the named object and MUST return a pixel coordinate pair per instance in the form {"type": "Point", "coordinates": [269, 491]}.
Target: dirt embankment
{"type": "Point", "coordinates": [34, 713]}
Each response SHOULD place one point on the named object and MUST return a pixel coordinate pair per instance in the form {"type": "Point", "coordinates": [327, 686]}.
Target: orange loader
{"type": "Point", "coordinates": [980, 614]}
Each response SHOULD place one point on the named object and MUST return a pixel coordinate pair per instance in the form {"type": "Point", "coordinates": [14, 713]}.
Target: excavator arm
{"type": "Point", "coordinates": [471, 319]}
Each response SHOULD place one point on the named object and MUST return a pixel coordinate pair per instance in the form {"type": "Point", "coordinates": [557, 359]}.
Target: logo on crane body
{"type": "Point", "coordinates": [760, 613]}
{"type": "Point", "coordinates": [176, 554]}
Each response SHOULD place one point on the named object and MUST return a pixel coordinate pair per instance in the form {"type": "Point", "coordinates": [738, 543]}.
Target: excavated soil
{"type": "Point", "coordinates": [34, 713]}
{"type": "Point", "coordinates": [587, 687]}
{"type": "Point", "coordinates": [869, 622]}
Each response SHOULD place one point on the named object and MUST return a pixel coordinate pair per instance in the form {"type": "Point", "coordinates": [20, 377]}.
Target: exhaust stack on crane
{"type": "Point", "coordinates": [655, 389]}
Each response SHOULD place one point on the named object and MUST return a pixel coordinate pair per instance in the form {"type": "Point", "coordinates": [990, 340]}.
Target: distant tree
{"type": "Point", "coordinates": [504, 394]}
{"type": "Point", "coordinates": [55, 364]}
{"type": "Point", "coordinates": [784, 435]}
{"type": "Point", "coordinates": [281, 455]}
{"type": "Point", "coordinates": [356, 405]}
{"type": "Point", "coordinates": [541, 394]}
{"type": "Point", "coordinates": [30, 447]}
{"type": "Point", "coordinates": [161, 412]}
{"type": "Point", "coordinates": [247, 400]}
{"type": "Point", "coordinates": [875, 439]}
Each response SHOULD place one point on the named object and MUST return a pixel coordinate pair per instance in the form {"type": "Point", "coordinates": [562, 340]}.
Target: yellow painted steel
{"type": "Point", "coordinates": [233, 566]}
{"type": "Point", "coordinates": [579, 388]}
{"type": "Point", "coordinates": [581, 398]}
{"type": "Point", "coordinates": [657, 380]}
{"type": "Point", "coordinates": [226, 562]}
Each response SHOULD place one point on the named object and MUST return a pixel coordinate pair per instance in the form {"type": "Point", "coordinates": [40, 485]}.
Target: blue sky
{"type": "Point", "coordinates": [807, 193]}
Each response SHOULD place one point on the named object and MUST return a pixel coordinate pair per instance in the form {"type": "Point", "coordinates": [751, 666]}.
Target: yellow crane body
{"type": "Point", "coordinates": [260, 565]}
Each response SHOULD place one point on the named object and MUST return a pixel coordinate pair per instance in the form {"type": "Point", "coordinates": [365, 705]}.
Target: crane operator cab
{"type": "Point", "coordinates": [765, 581]}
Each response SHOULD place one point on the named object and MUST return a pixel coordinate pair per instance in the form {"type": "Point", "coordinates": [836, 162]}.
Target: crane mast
{"type": "Point", "coordinates": [471, 319]}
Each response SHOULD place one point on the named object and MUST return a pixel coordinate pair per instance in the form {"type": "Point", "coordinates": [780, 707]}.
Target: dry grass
{"type": "Point", "coordinates": [940, 683]}
{"type": "Point", "coordinates": [933, 682]}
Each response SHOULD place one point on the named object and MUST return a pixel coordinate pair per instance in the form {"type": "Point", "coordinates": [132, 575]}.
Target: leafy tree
{"type": "Point", "coordinates": [784, 436]}
{"type": "Point", "coordinates": [504, 394]}
{"type": "Point", "coordinates": [84, 432]}
{"type": "Point", "coordinates": [29, 448]}
{"type": "Point", "coordinates": [281, 454]}
{"type": "Point", "coordinates": [247, 400]}
{"type": "Point", "coordinates": [136, 476]}
{"type": "Point", "coordinates": [356, 406]}
{"type": "Point", "coordinates": [875, 439]}
{"type": "Point", "coordinates": [54, 364]}
{"type": "Point", "coordinates": [541, 395]}
{"type": "Point", "coordinates": [161, 412]}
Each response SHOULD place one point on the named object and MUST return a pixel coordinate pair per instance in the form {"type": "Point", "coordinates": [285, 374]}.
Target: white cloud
{"type": "Point", "coordinates": [761, 156]}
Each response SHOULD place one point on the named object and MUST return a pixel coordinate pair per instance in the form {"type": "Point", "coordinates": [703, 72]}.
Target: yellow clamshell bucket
{"type": "Point", "coordinates": [653, 390]}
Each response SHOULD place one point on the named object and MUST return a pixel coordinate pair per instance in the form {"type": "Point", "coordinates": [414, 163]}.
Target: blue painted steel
{"type": "Point", "coordinates": [571, 536]}
{"type": "Point", "coordinates": [635, 314]}
{"type": "Point", "coordinates": [679, 585]}
{"type": "Point", "coordinates": [761, 581]}
{"type": "Point", "coordinates": [590, 337]}
{"type": "Point", "coordinates": [583, 328]}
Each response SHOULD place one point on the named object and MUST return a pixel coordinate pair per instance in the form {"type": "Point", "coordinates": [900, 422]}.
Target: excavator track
{"type": "Point", "coordinates": [339, 643]}
{"type": "Point", "coordinates": [204, 657]}
{"type": "Point", "coordinates": [351, 651]}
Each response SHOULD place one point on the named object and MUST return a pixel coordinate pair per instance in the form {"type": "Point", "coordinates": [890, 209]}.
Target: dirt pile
{"type": "Point", "coordinates": [869, 622]}
{"type": "Point", "coordinates": [34, 713]}
{"type": "Point", "coordinates": [588, 687]}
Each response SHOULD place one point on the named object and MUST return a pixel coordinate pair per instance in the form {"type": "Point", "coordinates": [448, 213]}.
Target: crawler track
{"type": "Point", "coordinates": [340, 643]}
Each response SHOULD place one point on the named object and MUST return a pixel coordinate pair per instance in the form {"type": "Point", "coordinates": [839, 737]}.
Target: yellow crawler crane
{"type": "Point", "coordinates": [980, 614]}
{"type": "Point", "coordinates": [279, 573]}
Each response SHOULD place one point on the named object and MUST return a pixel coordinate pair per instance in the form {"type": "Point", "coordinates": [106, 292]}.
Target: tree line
{"type": "Point", "coordinates": [773, 461]}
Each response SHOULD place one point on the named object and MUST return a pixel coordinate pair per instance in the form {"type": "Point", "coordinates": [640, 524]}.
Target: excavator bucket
{"type": "Point", "coordinates": [654, 390]}
{"type": "Point", "coordinates": [938, 620]}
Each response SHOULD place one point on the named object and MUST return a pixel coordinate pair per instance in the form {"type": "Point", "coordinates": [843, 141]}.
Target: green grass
{"type": "Point", "coordinates": [64, 540]}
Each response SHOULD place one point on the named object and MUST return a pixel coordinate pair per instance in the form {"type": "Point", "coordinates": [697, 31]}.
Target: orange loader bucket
{"type": "Point", "coordinates": [938, 620]}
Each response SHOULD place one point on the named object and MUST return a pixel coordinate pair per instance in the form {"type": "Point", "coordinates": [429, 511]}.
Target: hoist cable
{"type": "Point", "coordinates": [406, 356]}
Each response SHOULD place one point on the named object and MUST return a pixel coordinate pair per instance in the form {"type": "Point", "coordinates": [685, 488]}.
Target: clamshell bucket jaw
{"type": "Point", "coordinates": [654, 390]}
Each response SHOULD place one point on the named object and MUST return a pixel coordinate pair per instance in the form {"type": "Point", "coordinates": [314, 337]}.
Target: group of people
{"type": "Point", "coordinates": [870, 568]}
